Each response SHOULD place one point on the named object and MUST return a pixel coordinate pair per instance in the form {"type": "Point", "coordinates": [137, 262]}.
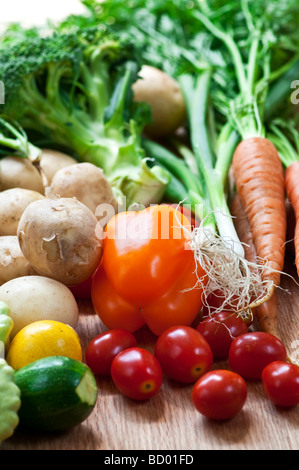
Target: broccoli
{"type": "Point", "coordinates": [75, 90]}
{"type": "Point", "coordinates": [14, 140]}
{"type": "Point", "coordinates": [15, 33]}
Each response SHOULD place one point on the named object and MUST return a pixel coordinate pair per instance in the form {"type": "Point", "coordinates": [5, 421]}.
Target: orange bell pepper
{"type": "Point", "coordinates": [148, 273]}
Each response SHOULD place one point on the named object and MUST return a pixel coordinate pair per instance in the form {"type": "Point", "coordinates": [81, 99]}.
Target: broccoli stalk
{"type": "Point", "coordinates": [76, 91]}
{"type": "Point", "coordinates": [14, 140]}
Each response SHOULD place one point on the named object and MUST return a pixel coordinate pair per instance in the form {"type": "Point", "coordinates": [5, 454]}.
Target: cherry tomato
{"type": "Point", "coordinates": [136, 373]}
{"type": "Point", "coordinates": [104, 347]}
{"type": "Point", "coordinates": [250, 353]}
{"type": "Point", "coordinates": [183, 353]}
{"type": "Point", "coordinates": [220, 330]}
{"type": "Point", "coordinates": [281, 383]}
{"type": "Point", "coordinates": [213, 301]}
{"type": "Point", "coordinates": [219, 394]}
{"type": "Point", "coordinates": [216, 301]}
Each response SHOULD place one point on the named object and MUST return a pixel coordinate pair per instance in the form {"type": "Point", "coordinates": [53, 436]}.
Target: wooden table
{"type": "Point", "coordinates": [169, 421]}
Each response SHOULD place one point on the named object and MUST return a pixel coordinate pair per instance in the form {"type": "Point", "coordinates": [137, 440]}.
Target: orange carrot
{"type": "Point", "coordinates": [259, 178]}
{"type": "Point", "coordinates": [292, 190]}
{"type": "Point", "coordinates": [242, 227]}
{"type": "Point", "coordinates": [267, 315]}
{"type": "Point", "coordinates": [267, 312]}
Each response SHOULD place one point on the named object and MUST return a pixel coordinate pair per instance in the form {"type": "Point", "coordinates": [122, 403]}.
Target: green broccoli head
{"type": "Point", "coordinates": [75, 89]}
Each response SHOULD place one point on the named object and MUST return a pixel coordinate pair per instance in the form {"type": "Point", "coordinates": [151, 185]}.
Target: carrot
{"type": "Point", "coordinates": [292, 190]}
{"type": "Point", "coordinates": [267, 312]}
{"type": "Point", "coordinates": [259, 179]}
{"type": "Point", "coordinates": [251, 106]}
{"type": "Point", "coordinates": [242, 227]}
{"type": "Point", "coordinates": [267, 315]}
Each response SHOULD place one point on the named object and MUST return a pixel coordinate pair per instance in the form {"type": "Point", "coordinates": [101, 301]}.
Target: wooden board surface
{"type": "Point", "coordinates": [169, 421]}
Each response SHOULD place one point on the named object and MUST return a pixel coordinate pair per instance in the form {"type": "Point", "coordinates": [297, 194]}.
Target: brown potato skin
{"type": "Point", "coordinates": [35, 298]}
{"type": "Point", "coordinates": [61, 239]}
{"type": "Point", "coordinates": [165, 98]}
{"type": "Point", "coordinates": [16, 172]}
{"type": "Point", "coordinates": [52, 161]}
{"type": "Point", "coordinates": [13, 202]}
{"type": "Point", "coordinates": [13, 263]}
{"type": "Point", "coordinates": [84, 181]}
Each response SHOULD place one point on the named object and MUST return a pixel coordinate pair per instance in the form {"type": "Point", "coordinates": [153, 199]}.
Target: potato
{"type": "Point", "coordinates": [16, 172]}
{"type": "Point", "coordinates": [13, 202]}
{"type": "Point", "coordinates": [34, 298]}
{"type": "Point", "coordinates": [86, 182]}
{"type": "Point", "coordinates": [13, 263]}
{"type": "Point", "coordinates": [61, 239]}
{"type": "Point", "coordinates": [52, 161]}
{"type": "Point", "coordinates": [165, 98]}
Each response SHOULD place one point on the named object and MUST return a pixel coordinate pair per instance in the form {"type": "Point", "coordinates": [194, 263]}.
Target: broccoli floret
{"type": "Point", "coordinates": [15, 33]}
{"type": "Point", "coordinates": [75, 89]}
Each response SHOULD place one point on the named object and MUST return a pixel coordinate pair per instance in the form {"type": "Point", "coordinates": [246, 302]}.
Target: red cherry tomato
{"type": "Point", "coordinates": [136, 373]}
{"type": "Point", "coordinates": [220, 330]}
{"type": "Point", "coordinates": [216, 300]}
{"type": "Point", "coordinates": [219, 394]}
{"type": "Point", "coordinates": [250, 353]}
{"type": "Point", "coordinates": [183, 353]}
{"type": "Point", "coordinates": [104, 347]}
{"type": "Point", "coordinates": [281, 383]}
{"type": "Point", "coordinates": [213, 301]}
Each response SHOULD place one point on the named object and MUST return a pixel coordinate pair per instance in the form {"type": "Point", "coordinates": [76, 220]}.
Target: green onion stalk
{"type": "Point", "coordinates": [261, 45]}
{"type": "Point", "coordinates": [215, 242]}
{"type": "Point", "coordinates": [285, 137]}
{"type": "Point", "coordinates": [269, 57]}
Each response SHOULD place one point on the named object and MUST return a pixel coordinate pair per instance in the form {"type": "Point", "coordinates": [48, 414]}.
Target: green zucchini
{"type": "Point", "coordinates": [57, 393]}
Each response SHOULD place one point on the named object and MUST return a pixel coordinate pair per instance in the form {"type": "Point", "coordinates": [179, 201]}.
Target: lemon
{"type": "Point", "coordinates": [43, 338]}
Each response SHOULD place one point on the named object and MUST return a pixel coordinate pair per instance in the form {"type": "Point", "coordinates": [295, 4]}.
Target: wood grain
{"type": "Point", "coordinates": [169, 421]}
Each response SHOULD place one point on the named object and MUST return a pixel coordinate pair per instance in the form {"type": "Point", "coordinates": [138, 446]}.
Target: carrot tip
{"type": "Point", "coordinates": [269, 292]}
